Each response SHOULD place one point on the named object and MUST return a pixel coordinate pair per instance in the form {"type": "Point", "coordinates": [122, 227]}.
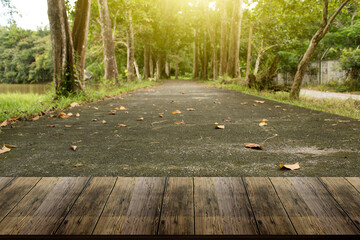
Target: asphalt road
{"type": "Point", "coordinates": [186, 143]}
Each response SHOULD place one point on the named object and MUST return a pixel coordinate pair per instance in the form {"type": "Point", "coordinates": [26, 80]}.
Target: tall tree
{"type": "Point", "coordinates": [234, 38]}
{"type": "Point", "coordinates": [248, 59]}
{"type": "Point", "coordinates": [196, 55]}
{"type": "Point", "coordinates": [319, 35]}
{"type": "Point", "coordinates": [111, 71]}
{"type": "Point", "coordinates": [223, 43]}
{"type": "Point", "coordinates": [131, 48]}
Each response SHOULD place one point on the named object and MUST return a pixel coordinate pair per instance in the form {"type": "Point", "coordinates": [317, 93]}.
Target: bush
{"type": "Point", "coordinates": [350, 62]}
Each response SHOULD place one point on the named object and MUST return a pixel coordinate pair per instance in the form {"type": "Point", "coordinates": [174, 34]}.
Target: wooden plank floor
{"type": "Point", "coordinates": [179, 206]}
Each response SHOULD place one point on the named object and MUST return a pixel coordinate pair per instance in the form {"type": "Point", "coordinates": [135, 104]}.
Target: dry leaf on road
{"type": "Point", "coordinates": [77, 115]}
{"type": "Point", "coordinates": [73, 147]}
{"type": "Point", "coordinates": [219, 126]}
{"type": "Point", "coordinates": [112, 112]}
{"type": "Point", "coordinates": [140, 119]}
{"type": "Point", "coordinates": [63, 115]}
{"type": "Point", "coordinates": [4, 124]}
{"type": "Point", "coordinates": [277, 106]}
{"type": "Point", "coordinates": [190, 109]}
{"type": "Point", "coordinates": [78, 165]}
{"type": "Point", "coordinates": [176, 112]}
{"type": "Point", "coordinates": [122, 125]}
{"type": "Point", "coordinates": [244, 103]}
{"type": "Point", "coordinates": [96, 108]}
{"type": "Point", "coordinates": [4, 149]}
{"type": "Point", "coordinates": [36, 118]}
{"type": "Point", "coordinates": [103, 122]}
{"type": "Point", "coordinates": [257, 101]}
{"type": "Point", "coordinates": [253, 146]}
{"type": "Point", "coordinates": [179, 123]}
{"type": "Point", "coordinates": [68, 126]}
{"type": "Point", "coordinates": [74, 104]}
{"type": "Point", "coordinates": [94, 120]}
{"type": "Point", "coordinates": [9, 145]}
{"type": "Point", "coordinates": [122, 108]}
{"type": "Point", "coordinates": [290, 166]}
{"type": "Point", "coordinates": [265, 120]}
{"type": "Point", "coordinates": [262, 124]}
{"type": "Point", "coordinates": [161, 115]}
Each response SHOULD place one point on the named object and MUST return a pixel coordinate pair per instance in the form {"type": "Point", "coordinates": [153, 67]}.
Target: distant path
{"type": "Point", "coordinates": [320, 94]}
{"type": "Point", "coordinates": [177, 137]}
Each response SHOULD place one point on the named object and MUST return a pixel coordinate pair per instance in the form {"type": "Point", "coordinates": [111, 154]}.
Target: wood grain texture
{"type": "Point", "coordinates": [22, 213]}
{"type": "Point", "coordinates": [329, 214]}
{"type": "Point", "coordinates": [270, 215]}
{"type": "Point", "coordinates": [355, 181]}
{"type": "Point", "coordinates": [234, 207]}
{"type": "Point", "coordinates": [301, 216]}
{"type": "Point", "coordinates": [177, 216]}
{"type": "Point", "coordinates": [55, 207]}
{"type": "Point", "coordinates": [346, 195]}
{"type": "Point", "coordinates": [14, 192]}
{"type": "Point", "coordinates": [113, 218]}
{"type": "Point", "coordinates": [4, 181]}
{"type": "Point", "coordinates": [144, 210]}
{"type": "Point", "coordinates": [85, 213]}
{"type": "Point", "coordinates": [207, 213]}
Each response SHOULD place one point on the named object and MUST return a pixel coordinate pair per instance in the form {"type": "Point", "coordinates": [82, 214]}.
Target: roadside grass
{"type": "Point", "coordinates": [347, 108]}
{"type": "Point", "coordinates": [25, 106]}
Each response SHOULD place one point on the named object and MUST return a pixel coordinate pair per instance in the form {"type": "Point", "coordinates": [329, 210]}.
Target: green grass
{"type": "Point", "coordinates": [347, 108]}
{"type": "Point", "coordinates": [25, 106]}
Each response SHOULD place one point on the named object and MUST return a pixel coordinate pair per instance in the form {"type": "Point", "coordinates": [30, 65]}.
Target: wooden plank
{"type": "Point", "coordinates": [346, 195]}
{"type": "Point", "coordinates": [177, 216]}
{"type": "Point", "coordinates": [144, 210]}
{"type": "Point", "coordinates": [270, 215]}
{"type": "Point", "coordinates": [234, 207]}
{"type": "Point", "coordinates": [4, 181]}
{"type": "Point", "coordinates": [55, 207]}
{"type": "Point", "coordinates": [355, 181]}
{"type": "Point", "coordinates": [301, 216]}
{"type": "Point", "coordinates": [207, 213]}
{"type": "Point", "coordinates": [22, 213]}
{"type": "Point", "coordinates": [113, 217]}
{"type": "Point", "coordinates": [85, 213]}
{"type": "Point", "coordinates": [331, 217]}
{"type": "Point", "coordinates": [14, 192]}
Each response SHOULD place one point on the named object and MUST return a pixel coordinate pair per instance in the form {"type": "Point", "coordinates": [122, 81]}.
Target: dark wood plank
{"type": "Point", "coordinates": [144, 210]}
{"type": "Point", "coordinates": [4, 181]}
{"type": "Point", "coordinates": [207, 213]}
{"type": "Point", "coordinates": [269, 213]}
{"type": "Point", "coordinates": [346, 195]}
{"type": "Point", "coordinates": [86, 211]}
{"type": "Point", "coordinates": [14, 192]}
{"type": "Point", "coordinates": [331, 217]}
{"type": "Point", "coordinates": [22, 213]}
{"type": "Point", "coordinates": [177, 216]}
{"type": "Point", "coordinates": [54, 208]}
{"type": "Point", "coordinates": [235, 210]}
{"type": "Point", "coordinates": [301, 216]}
{"type": "Point", "coordinates": [355, 181]}
{"type": "Point", "coordinates": [113, 217]}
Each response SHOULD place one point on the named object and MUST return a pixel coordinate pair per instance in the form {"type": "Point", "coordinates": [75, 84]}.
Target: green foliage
{"type": "Point", "coordinates": [26, 55]}
{"type": "Point", "coordinates": [350, 62]}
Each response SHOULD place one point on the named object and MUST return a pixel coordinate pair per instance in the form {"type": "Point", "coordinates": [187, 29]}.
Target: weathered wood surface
{"type": "Point", "coordinates": [179, 206]}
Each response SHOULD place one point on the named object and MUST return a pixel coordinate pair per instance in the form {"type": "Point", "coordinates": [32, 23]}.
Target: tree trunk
{"type": "Point", "coordinates": [320, 34]}
{"type": "Point", "coordinates": [223, 43]}
{"type": "Point", "coordinates": [237, 53]}
{"type": "Point", "coordinates": [248, 61]}
{"type": "Point", "coordinates": [131, 50]}
{"type": "Point", "coordinates": [111, 72]}
{"type": "Point", "coordinates": [205, 59]}
{"type": "Point", "coordinates": [79, 36]}
{"type": "Point", "coordinates": [258, 59]}
{"type": "Point", "coordinates": [147, 60]}
{"type": "Point", "coordinates": [159, 67]}
{"type": "Point", "coordinates": [62, 47]}
{"type": "Point", "coordinates": [196, 57]}
{"type": "Point", "coordinates": [167, 69]}
{"type": "Point", "coordinates": [151, 64]}
{"type": "Point", "coordinates": [176, 70]}
{"type": "Point", "coordinates": [234, 34]}
{"type": "Point", "coordinates": [137, 71]}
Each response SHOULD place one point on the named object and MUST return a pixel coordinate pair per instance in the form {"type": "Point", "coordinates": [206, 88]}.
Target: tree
{"type": "Point", "coordinates": [111, 71]}
{"type": "Point", "coordinates": [319, 35]}
{"type": "Point", "coordinates": [223, 43]}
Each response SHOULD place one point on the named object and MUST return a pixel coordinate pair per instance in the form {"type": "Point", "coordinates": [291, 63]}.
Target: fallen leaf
{"type": "Point", "coordinates": [161, 115]}
{"type": "Point", "coordinates": [140, 119]}
{"type": "Point", "coordinates": [277, 106]}
{"type": "Point", "coordinates": [77, 115]}
{"type": "Point", "coordinates": [73, 147]}
{"type": "Point", "coordinates": [122, 125]}
{"type": "Point", "coordinates": [4, 124]}
{"type": "Point", "coordinates": [10, 146]}
{"type": "Point", "coordinates": [262, 124]}
{"type": "Point", "coordinates": [70, 114]}
{"type": "Point", "coordinates": [79, 128]}
{"type": "Point", "coordinates": [190, 109]}
{"type": "Point", "coordinates": [63, 115]}
{"type": "Point", "coordinates": [122, 108]}
{"type": "Point", "coordinates": [290, 166]}
{"type": "Point", "coordinates": [13, 118]}
{"type": "Point", "coordinates": [68, 126]}
{"type": "Point", "coordinates": [253, 146]}
{"type": "Point", "coordinates": [103, 122]}
{"type": "Point", "coordinates": [265, 120]}
{"type": "Point", "coordinates": [112, 112]}
{"type": "Point", "coordinates": [179, 123]}
{"type": "Point", "coordinates": [182, 92]}
{"type": "Point", "coordinates": [257, 101]}
{"type": "Point", "coordinates": [52, 126]}
{"type": "Point", "coordinates": [36, 118]}
{"type": "Point", "coordinates": [121, 98]}
{"type": "Point", "coordinates": [94, 120]}
{"type": "Point", "coordinates": [74, 104]}
{"type": "Point", "coordinates": [226, 120]}
{"type": "Point", "coordinates": [219, 126]}
{"type": "Point", "coordinates": [78, 165]}
{"type": "Point", "coordinates": [52, 115]}
{"type": "Point", "coordinates": [4, 149]}
{"type": "Point", "coordinates": [244, 103]}
{"type": "Point", "coordinates": [126, 112]}
{"type": "Point", "coordinates": [176, 112]}
{"type": "Point", "coordinates": [116, 109]}
{"type": "Point", "coordinates": [96, 108]}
